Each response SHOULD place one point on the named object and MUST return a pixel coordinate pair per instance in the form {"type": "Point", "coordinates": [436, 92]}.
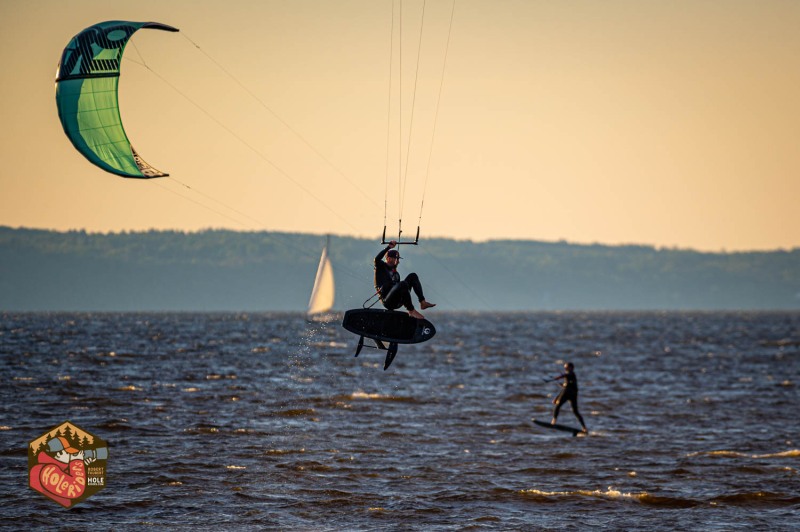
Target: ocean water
{"type": "Point", "coordinates": [264, 421]}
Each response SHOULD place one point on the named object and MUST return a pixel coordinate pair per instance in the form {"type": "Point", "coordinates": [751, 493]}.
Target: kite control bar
{"type": "Point", "coordinates": [399, 241]}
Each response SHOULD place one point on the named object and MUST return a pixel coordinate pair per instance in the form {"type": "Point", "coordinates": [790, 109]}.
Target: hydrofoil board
{"type": "Point", "coordinates": [564, 428]}
{"type": "Point", "coordinates": [386, 326]}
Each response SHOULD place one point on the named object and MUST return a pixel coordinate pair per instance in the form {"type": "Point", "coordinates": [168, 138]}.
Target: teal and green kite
{"type": "Point", "coordinates": [86, 95]}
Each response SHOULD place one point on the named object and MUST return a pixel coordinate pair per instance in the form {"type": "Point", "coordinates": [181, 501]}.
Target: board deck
{"type": "Point", "coordinates": [564, 428]}
{"type": "Point", "coordinates": [388, 326]}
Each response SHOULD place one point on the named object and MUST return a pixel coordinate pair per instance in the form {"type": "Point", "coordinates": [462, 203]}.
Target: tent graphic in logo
{"type": "Point", "coordinates": [67, 464]}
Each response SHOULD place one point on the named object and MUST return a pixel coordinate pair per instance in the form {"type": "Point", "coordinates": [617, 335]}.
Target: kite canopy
{"type": "Point", "coordinates": [87, 82]}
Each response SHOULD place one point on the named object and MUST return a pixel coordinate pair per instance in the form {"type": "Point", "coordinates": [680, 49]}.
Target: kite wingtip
{"type": "Point", "coordinates": [160, 26]}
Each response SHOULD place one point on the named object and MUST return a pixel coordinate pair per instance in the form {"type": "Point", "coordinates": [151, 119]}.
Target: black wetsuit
{"type": "Point", "coordinates": [393, 292]}
{"type": "Point", "coordinates": [569, 392]}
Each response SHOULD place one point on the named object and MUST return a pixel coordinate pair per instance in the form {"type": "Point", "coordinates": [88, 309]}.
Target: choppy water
{"type": "Point", "coordinates": [227, 421]}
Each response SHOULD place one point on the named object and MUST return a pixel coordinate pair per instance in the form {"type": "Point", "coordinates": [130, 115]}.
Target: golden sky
{"type": "Point", "coordinates": [671, 123]}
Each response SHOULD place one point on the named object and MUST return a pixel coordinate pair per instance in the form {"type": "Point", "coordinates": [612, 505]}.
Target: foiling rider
{"type": "Point", "coordinates": [569, 392]}
{"type": "Point", "coordinates": [393, 292]}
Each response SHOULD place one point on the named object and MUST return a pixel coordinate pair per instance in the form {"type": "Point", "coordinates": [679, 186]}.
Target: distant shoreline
{"type": "Point", "coordinates": [229, 271]}
{"type": "Point", "coordinates": [562, 241]}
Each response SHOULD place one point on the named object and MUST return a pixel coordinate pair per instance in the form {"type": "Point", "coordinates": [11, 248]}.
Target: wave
{"type": "Point", "coordinates": [281, 452]}
{"type": "Point", "coordinates": [14, 451]}
{"type": "Point", "coordinates": [202, 429]}
{"type": "Point", "coordinates": [542, 471]}
{"type": "Point", "coordinates": [792, 453]}
{"type": "Point", "coordinates": [730, 454]}
{"type": "Point", "coordinates": [612, 494]}
{"type": "Point", "coordinates": [306, 465]}
{"type": "Point", "coordinates": [381, 397]}
{"type": "Point", "coordinates": [758, 498]}
{"type": "Point", "coordinates": [294, 412]}
{"type": "Point", "coordinates": [115, 425]}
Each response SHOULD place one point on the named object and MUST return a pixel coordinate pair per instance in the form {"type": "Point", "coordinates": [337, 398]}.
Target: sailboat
{"type": "Point", "coordinates": [322, 295]}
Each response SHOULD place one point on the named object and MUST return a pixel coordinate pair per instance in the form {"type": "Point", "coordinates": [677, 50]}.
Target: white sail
{"type": "Point", "coordinates": [323, 293]}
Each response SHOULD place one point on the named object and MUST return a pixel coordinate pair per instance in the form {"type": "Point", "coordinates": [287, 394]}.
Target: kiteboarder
{"type": "Point", "coordinates": [393, 292]}
{"type": "Point", "coordinates": [569, 392]}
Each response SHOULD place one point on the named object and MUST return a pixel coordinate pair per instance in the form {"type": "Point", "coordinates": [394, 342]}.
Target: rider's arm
{"type": "Point", "coordinates": [379, 256]}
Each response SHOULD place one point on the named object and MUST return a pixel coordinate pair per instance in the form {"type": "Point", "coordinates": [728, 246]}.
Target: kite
{"type": "Point", "coordinates": [87, 82]}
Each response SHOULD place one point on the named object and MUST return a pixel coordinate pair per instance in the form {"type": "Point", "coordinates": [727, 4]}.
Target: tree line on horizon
{"type": "Point", "coordinates": [226, 270]}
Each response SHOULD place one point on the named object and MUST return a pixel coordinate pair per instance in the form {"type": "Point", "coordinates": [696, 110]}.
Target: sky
{"type": "Point", "coordinates": [672, 123]}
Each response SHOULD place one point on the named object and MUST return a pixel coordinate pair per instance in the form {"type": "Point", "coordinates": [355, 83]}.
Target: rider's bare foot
{"type": "Point", "coordinates": [424, 304]}
{"type": "Point", "coordinates": [553, 422]}
{"type": "Point", "coordinates": [415, 314]}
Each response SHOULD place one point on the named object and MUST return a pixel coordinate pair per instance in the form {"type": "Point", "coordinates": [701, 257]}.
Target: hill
{"type": "Point", "coordinates": [233, 271]}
